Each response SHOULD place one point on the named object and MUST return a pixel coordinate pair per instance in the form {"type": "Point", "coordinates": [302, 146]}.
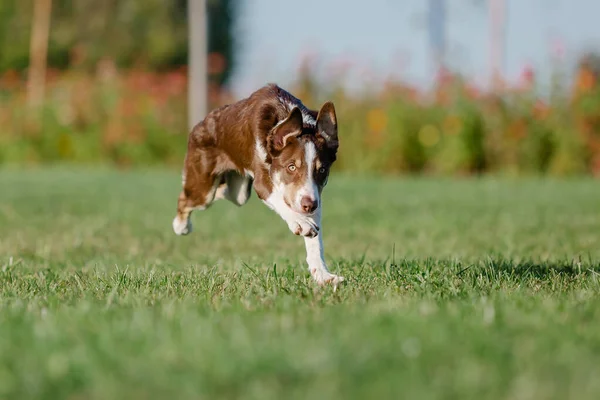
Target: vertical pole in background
{"type": "Point", "coordinates": [38, 52]}
{"type": "Point", "coordinates": [437, 33]}
{"type": "Point", "coordinates": [197, 64]}
{"type": "Point", "coordinates": [497, 9]}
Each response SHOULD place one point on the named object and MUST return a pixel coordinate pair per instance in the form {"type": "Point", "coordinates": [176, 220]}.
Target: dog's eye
{"type": "Point", "coordinates": [321, 170]}
{"type": "Point", "coordinates": [291, 167]}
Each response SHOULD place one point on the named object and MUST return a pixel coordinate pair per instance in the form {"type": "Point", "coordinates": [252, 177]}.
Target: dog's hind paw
{"type": "Point", "coordinates": [182, 227]}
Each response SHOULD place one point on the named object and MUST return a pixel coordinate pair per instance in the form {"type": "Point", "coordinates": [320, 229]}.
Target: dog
{"type": "Point", "coordinates": [274, 143]}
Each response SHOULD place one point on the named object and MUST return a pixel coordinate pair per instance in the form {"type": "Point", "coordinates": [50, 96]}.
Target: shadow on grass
{"type": "Point", "coordinates": [491, 268]}
{"type": "Point", "coordinates": [537, 269]}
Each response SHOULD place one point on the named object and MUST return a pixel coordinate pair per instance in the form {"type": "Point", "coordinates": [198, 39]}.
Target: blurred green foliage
{"type": "Point", "coordinates": [148, 33]}
{"type": "Point", "coordinates": [457, 129]}
{"type": "Point", "coordinates": [116, 93]}
{"type": "Point", "coordinates": [137, 117]}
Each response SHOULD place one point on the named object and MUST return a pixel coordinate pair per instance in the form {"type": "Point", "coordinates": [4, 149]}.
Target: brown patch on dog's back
{"type": "Point", "coordinates": [228, 139]}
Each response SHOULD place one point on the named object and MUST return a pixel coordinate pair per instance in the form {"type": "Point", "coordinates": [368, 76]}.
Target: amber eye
{"type": "Point", "coordinates": [321, 170]}
{"type": "Point", "coordinates": [291, 167]}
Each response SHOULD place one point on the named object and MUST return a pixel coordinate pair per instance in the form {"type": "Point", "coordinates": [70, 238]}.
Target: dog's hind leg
{"type": "Point", "coordinates": [199, 189]}
{"type": "Point", "coordinates": [238, 188]}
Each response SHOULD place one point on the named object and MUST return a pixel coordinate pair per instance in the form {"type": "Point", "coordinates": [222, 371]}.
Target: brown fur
{"type": "Point", "coordinates": [222, 148]}
{"type": "Point", "coordinates": [294, 154]}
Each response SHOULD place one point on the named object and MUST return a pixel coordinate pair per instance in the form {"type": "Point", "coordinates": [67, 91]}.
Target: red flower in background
{"type": "Point", "coordinates": [527, 77]}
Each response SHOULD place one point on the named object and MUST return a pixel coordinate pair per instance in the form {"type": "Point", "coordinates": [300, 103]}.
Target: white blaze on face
{"type": "Point", "coordinates": [309, 189]}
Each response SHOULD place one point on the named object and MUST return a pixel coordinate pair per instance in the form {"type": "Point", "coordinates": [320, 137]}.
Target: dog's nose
{"type": "Point", "coordinates": [308, 205]}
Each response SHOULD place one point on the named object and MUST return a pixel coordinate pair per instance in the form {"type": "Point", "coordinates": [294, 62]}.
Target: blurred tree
{"type": "Point", "coordinates": [198, 64]}
{"type": "Point", "coordinates": [38, 52]}
{"type": "Point", "coordinates": [15, 23]}
{"type": "Point", "coordinates": [221, 18]}
{"type": "Point", "coordinates": [147, 33]}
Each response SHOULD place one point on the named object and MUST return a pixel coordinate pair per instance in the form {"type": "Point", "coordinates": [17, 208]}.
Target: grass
{"type": "Point", "coordinates": [455, 289]}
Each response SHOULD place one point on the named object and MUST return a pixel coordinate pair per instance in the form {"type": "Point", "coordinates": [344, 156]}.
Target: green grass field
{"type": "Point", "coordinates": [492, 291]}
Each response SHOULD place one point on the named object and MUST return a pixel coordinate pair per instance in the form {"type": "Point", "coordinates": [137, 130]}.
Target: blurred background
{"type": "Point", "coordinates": [421, 86]}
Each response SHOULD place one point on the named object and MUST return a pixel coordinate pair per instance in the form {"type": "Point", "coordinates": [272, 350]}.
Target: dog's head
{"type": "Point", "coordinates": [302, 154]}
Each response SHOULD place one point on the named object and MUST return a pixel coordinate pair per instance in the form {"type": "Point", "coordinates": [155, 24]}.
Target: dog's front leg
{"type": "Point", "coordinates": [298, 224]}
{"type": "Point", "coordinates": [309, 227]}
{"type": "Point", "coordinates": [315, 258]}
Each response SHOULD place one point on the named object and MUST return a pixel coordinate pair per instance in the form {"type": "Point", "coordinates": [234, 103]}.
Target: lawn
{"type": "Point", "coordinates": [466, 289]}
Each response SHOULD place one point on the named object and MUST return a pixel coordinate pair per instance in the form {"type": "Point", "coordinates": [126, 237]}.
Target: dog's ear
{"type": "Point", "coordinates": [327, 125]}
{"type": "Point", "coordinates": [287, 129]}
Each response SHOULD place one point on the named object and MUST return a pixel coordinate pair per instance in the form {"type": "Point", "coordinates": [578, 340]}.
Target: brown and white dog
{"type": "Point", "coordinates": [271, 141]}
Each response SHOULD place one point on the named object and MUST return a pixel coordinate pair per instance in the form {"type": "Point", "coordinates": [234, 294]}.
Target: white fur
{"type": "Point", "coordinates": [261, 152]}
{"type": "Point", "coordinates": [181, 227]}
{"type": "Point", "coordinates": [184, 227]}
{"type": "Point", "coordinates": [309, 189]}
{"type": "Point", "coordinates": [237, 188]}
{"type": "Point", "coordinates": [298, 223]}
{"type": "Point", "coordinates": [315, 259]}
{"type": "Point", "coordinates": [220, 193]}
{"type": "Point", "coordinates": [307, 226]}
{"type": "Point", "coordinates": [307, 119]}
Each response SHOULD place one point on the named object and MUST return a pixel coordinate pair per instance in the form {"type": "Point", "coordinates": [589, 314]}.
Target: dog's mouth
{"type": "Point", "coordinates": [306, 213]}
{"type": "Point", "coordinates": [299, 209]}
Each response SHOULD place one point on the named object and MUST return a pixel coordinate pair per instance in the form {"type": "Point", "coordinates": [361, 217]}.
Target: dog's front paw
{"type": "Point", "coordinates": [304, 228]}
{"type": "Point", "coordinates": [323, 277]}
{"type": "Point", "coordinates": [182, 227]}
